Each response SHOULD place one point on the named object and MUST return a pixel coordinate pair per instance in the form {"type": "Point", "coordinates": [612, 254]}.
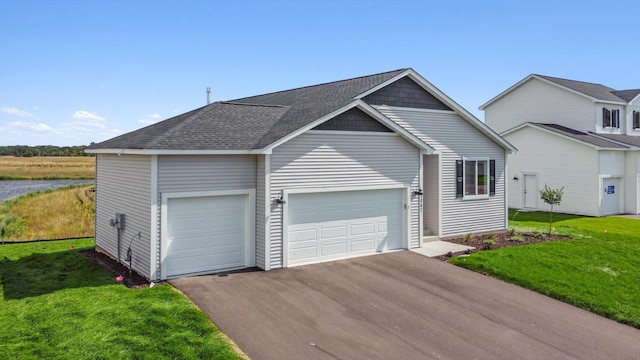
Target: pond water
{"type": "Point", "coordinates": [12, 188]}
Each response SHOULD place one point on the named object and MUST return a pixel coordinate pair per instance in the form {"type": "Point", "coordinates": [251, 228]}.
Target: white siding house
{"type": "Point", "coordinates": [582, 136]}
{"type": "Point", "coordinates": [313, 174]}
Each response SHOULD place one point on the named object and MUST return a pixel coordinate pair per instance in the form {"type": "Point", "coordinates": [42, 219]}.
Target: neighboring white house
{"type": "Point", "coordinates": [318, 173]}
{"type": "Point", "coordinates": [582, 136]}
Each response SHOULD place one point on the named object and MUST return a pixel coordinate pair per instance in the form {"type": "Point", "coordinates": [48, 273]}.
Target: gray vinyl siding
{"type": "Point", "coordinates": [123, 185]}
{"type": "Point", "coordinates": [538, 101]}
{"type": "Point", "coordinates": [314, 160]}
{"type": "Point", "coordinates": [194, 173]}
{"type": "Point", "coordinates": [260, 211]}
{"type": "Point", "coordinates": [559, 162]}
{"type": "Point", "coordinates": [455, 138]}
{"type": "Point", "coordinates": [430, 205]}
{"type": "Point", "coordinates": [186, 173]}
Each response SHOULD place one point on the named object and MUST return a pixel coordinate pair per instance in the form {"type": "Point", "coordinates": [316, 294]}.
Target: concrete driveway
{"type": "Point", "coordinates": [399, 305]}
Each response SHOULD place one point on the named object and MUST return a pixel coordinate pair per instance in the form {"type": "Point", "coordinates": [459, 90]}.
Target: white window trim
{"type": "Point", "coordinates": [464, 178]}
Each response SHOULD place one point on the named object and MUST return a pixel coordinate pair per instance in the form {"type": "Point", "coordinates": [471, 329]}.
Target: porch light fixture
{"type": "Point", "coordinates": [515, 177]}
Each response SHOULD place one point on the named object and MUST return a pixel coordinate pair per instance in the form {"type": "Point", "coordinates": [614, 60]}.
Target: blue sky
{"type": "Point", "coordinates": [73, 72]}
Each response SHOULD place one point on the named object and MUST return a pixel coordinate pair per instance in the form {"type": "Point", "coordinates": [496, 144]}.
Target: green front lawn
{"type": "Point", "coordinates": [56, 303]}
{"type": "Point", "coordinates": [598, 270]}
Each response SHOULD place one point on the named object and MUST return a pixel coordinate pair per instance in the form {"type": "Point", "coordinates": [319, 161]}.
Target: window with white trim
{"type": "Point", "coordinates": [475, 178]}
{"type": "Point", "coordinates": [636, 120]}
{"type": "Point", "coordinates": [610, 118]}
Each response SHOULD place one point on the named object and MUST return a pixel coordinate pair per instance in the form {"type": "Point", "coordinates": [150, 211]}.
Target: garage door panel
{"type": "Point", "coordinates": [331, 249]}
{"type": "Point", "coordinates": [304, 253]}
{"type": "Point", "coordinates": [333, 225]}
{"type": "Point", "coordinates": [332, 232]}
{"type": "Point", "coordinates": [205, 234]}
{"type": "Point", "coordinates": [364, 228]}
{"type": "Point", "coordinates": [367, 244]}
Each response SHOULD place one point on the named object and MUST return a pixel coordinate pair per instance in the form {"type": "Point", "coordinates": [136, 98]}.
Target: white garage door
{"type": "Point", "coordinates": [205, 234]}
{"type": "Point", "coordinates": [334, 225]}
{"type": "Point", "coordinates": [611, 196]}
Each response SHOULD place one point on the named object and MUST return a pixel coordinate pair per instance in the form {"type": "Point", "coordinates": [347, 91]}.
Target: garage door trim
{"type": "Point", "coordinates": [406, 226]}
{"type": "Point", "coordinates": [250, 194]}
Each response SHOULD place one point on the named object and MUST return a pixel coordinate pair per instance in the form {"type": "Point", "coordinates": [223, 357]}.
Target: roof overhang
{"type": "Point", "coordinates": [524, 125]}
{"type": "Point", "coordinates": [369, 110]}
{"type": "Point", "coordinates": [438, 94]}
{"type": "Point", "coordinates": [174, 152]}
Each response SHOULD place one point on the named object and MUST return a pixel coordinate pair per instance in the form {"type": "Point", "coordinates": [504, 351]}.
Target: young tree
{"type": "Point", "coordinates": [551, 197]}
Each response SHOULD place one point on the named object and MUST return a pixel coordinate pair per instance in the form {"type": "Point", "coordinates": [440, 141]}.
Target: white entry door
{"type": "Point", "coordinates": [334, 225]}
{"type": "Point", "coordinates": [610, 196]}
{"type": "Point", "coordinates": [530, 191]}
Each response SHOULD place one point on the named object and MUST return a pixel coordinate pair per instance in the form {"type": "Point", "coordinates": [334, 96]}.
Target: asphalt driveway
{"type": "Point", "coordinates": [399, 305]}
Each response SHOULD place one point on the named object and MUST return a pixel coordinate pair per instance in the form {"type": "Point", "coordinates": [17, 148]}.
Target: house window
{"type": "Point", "coordinates": [610, 118]}
{"type": "Point", "coordinates": [475, 178]}
{"type": "Point", "coordinates": [636, 120]}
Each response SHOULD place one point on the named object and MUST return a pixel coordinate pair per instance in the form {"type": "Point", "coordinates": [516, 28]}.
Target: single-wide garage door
{"type": "Point", "coordinates": [334, 225]}
{"type": "Point", "coordinates": [205, 234]}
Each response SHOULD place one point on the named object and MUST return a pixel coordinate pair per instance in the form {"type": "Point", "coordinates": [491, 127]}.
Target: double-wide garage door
{"type": "Point", "coordinates": [205, 234]}
{"type": "Point", "coordinates": [333, 225]}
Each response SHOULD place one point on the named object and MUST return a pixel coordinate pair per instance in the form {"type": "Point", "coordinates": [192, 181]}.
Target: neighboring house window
{"type": "Point", "coordinates": [610, 118]}
{"type": "Point", "coordinates": [475, 178]}
{"type": "Point", "coordinates": [636, 119]}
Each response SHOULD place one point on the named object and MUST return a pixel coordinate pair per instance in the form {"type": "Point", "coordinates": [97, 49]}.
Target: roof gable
{"type": "Point", "coordinates": [595, 92]}
{"type": "Point", "coordinates": [259, 123]}
{"type": "Point", "coordinates": [405, 93]}
{"type": "Point", "coordinates": [574, 135]}
{"type": "Point", "coordinates": [353, 119]}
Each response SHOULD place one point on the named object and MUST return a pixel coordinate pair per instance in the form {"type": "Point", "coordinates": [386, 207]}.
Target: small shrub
{"type": "Point", "coordinates": [512, 232]}
{"type": "Point", "coordinates": [491, 236]}
{"type": "Point", "coordinates": [488, 243]}
{"type": "Point", "coordinates": [467, 237]}
{"type": "Point", "coordinates": [539, 235]}
{"type": "Point", "coordinates": [516, 238]}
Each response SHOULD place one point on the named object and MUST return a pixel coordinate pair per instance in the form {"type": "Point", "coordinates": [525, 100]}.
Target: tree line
{"type": "Point", "coordinates": [43, 150]}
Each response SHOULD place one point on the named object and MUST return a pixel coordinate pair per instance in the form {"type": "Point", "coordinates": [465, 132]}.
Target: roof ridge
{"type": "Point", "coordinates": [250, 104]}
{"type": "Point", "coordinates": [578, 81]}
{"type": "Point", "coordinates": [322, 84]}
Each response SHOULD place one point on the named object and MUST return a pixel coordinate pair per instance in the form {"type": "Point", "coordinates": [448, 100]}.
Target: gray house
{"type": "Point", "coordinates": [318, 173]}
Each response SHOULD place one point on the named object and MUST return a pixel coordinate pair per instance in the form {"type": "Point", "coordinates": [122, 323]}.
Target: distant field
{"type": "Point", "coordinates": [47, 168]}
{"type": "Point", "coordinates": [64, 213]}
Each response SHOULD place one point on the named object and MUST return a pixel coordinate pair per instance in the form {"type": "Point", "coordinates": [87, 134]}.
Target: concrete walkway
{"type": "Point", "coordinates": [439, 247]}
{"type": "Point", "coordinates": [399, 305]}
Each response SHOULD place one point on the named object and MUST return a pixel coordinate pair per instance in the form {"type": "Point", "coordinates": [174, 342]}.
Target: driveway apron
{"type": "Point", "coordinates": [399, 305]}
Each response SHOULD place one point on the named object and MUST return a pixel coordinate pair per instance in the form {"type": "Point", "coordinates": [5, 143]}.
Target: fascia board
{"type": "Point", "coordinates": [172, 152]}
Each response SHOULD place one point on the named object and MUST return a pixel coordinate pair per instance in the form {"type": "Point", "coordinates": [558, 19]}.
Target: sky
{"type": "Point", "coordinates": [76, 72]}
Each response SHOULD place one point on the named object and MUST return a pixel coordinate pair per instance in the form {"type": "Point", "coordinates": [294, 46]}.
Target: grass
{"type": "Point", "coordinates": [56, 303]}
{"type": "Point", "coordinates": [63, 213]}
{"type": "Point", "coordinates": [47, 167]}
{"type": "Point", "coordinates": [597, 270]}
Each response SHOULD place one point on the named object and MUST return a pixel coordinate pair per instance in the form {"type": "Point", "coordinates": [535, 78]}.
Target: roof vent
{"type": "Point", "coordinates": [208, 93]}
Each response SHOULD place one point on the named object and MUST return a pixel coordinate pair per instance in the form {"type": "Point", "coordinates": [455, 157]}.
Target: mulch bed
{"type": "Point", "coordinates": [500, 240]}
{"type": "Point", "coordinates": [131, 279]}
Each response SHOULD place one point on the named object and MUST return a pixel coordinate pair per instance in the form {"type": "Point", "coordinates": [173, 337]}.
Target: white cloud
{"type": "Point", "coordinates": [32, 126]}
{"type": "Point", "coordinates": [150, 119]}
{"type": "Point", "coordinates": [81, 114]}
{"type": "Point", "coordinates": [16, 112]}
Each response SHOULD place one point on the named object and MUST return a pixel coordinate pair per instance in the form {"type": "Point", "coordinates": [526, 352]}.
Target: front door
{"type": "Point", "coordinates": [530, 191]}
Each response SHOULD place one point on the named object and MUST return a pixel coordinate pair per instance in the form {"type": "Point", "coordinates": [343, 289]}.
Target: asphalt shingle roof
{"type": "Point", "coordinates": [625, 139]}
{"type": "Point", "coordinates": [247, 123]}
{"type": "Point", "coordinates": [597, 91]}
{"type": "Point", "coordinates": [581, 136]}
{"type": "Point", "coordinates": [627, 95]}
